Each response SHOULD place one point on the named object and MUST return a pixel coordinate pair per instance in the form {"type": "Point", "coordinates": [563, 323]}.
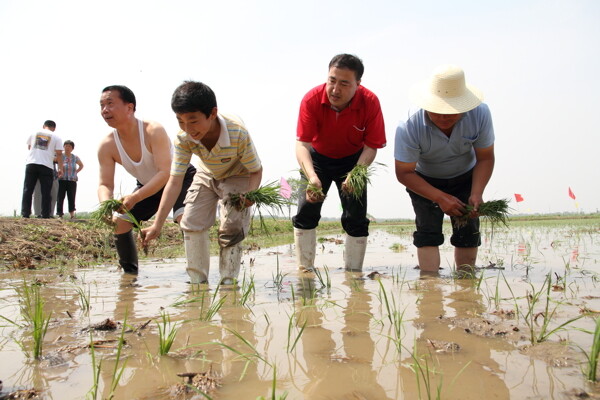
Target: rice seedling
{"type": "Point", "coordinates": [84, 298]}
{"type": "Point", "coordinates": [357, 180]}
{"type": "Point", "coordinates": [424, 375]}
{"type": "Point", "coordinates": [166, 333]}
{"type": "Point", "coordinates": [314, 192]}
{"type": "Point", "coordinates": [395, 316]}
{"type": "Point", "coordinates": [324, 281]}
{"type": "Point", "coordinates": [32, 310]}
{"type": "Point", "coordinates": [96, 368]}
{"type": "Point", "coordinates": [249, 357]}
{"type": "Point", "coordinates": [248, 290]}
{"type": "Point", "coordinates": [265, 196]}
{"type": "Point", "coordinates": [117, 372]}
{"type": "Point", "coordinates": [398, 247]}
{"type": "Point", "coordinates": [495, 211]}
{"type": "Point", "coordinates": [291, 346]}
{"type": "Point", "coordinates": [592, 357]}
{"type": "Point", "coordinates": [530, 317]}
{"type": "Point", "coordinates": [104, 213]}
{"type": "Point", "coordinates": [209, 306]}
{"type": "Point", "coordinates": [274, 396]}
{"type": "Point", "coordinates": [278, 277]}
{"type": "Point", "coordinates": [212, 309]}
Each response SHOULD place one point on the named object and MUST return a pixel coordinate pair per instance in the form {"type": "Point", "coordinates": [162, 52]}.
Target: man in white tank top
{"type": "Point", "coordinates": [144, 149]}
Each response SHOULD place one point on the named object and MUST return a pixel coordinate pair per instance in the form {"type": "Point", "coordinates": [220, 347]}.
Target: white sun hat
{"type": "Point", "coordinates": [446, 92]}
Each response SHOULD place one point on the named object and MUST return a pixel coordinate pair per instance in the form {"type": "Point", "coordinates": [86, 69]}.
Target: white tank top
{"type": "Point", "coordinates": [145, 169]}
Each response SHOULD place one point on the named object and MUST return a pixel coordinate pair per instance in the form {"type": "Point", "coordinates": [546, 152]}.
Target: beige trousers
{"type": "Point", "coordinates": [208, 195]}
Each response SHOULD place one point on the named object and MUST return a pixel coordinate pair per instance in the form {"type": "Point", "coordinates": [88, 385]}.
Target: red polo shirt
{"type": "Point", "coordinates": [340, 134]}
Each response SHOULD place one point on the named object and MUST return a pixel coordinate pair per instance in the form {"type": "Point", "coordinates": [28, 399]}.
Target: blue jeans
{"type": "Point", "coordinates": [354, 212]}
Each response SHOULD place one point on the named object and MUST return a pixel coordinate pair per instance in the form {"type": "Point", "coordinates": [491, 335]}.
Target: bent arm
{"type": "Point", "coordinates": [59, 164]}
{"type": "Point", "coordinates": [255, 179]}
{"type": "Point", "coordinates": [306, 163]}
{"type": "Point", "coordinates": [367, 156]}
{"type": "Point", "coordinates": [481, 174]}
{"type": "Point", "coordinates": [407, 175]}
{"type": "Point", "coordinates": [167, 201]}
{"type": "Point", "coordinates": [106, 182]}
{"type": "Point", "coordinates": [79, 165]}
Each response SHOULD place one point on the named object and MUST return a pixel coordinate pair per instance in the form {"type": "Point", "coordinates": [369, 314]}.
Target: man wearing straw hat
{"type": "Point", "coordinates": [445, 157]}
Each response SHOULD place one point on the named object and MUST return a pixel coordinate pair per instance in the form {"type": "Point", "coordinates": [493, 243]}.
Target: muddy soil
{"type": "Point", "coordinates": [35, 242]}
{"type": "Point", "coordinates": [387, 333]}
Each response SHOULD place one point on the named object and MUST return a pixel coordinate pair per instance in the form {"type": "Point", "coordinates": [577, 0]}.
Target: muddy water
{"type": "Point", "coordinates": [361, 338]}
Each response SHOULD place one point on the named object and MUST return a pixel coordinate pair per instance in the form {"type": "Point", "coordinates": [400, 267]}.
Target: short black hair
{"type": "Point", "coordinates": [125, 93]}
{"type": "Point", "coordinates": [69, 142]}
{"type": "Point", "coordinates": [193, 96]}
{"type": "Point", "coordinates": [348, 61]}
{"type": "Point", "coordinates": [50, 124]}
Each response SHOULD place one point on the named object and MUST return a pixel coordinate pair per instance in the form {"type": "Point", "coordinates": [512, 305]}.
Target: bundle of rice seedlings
{"type": "Point", "coordinates": [315, 192]}
{"type": "Point", "coordinates": [495, 211]}
{"type": "Point", "coordinates": [267, 196]}
{"type": "Point", "coordinates": [358, 179]}
{"type": "Point", "coordinates": [106, 209]}
{"type": "Point", "coordinates": [104, 213]}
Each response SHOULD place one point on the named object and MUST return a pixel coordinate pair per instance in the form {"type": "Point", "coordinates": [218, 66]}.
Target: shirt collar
{"type": "Point", "coordinates": [223, 141]}
{"type": "Point", "coordinates": [354, 103]}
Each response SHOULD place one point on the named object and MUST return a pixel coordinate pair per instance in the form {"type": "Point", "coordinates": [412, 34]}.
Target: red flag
{"type": "Point", "coordinates": [571, 194]}
{"type": "Point", "coordinates": [285, 190]}
{"type": "Point", "coordinates": [518, 197]}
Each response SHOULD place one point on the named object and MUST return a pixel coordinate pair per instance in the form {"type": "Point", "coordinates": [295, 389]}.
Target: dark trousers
{"type": "Point", "coordinates": [68, 188]}
{"type": "Point", "coordinates": [33, 173]}
{"type": "Point", "coordinates": [354, 211]}
{"type": "Point", "coordinates": [430, 217]}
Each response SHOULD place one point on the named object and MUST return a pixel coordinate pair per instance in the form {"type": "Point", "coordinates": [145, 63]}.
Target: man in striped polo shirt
{"type": "Point", "coordinates": [228, 164]}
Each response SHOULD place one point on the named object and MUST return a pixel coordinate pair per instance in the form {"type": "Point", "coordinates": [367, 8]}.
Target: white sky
{"type": "Point", "coordinates": [537, 63]}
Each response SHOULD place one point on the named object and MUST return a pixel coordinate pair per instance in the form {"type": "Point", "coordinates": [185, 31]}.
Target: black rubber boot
{"type": "Point", "coordinates": [127, 251]}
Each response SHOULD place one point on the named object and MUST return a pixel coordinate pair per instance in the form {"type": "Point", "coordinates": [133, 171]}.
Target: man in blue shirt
{"type": "Point", "coordinates": [445, 157]}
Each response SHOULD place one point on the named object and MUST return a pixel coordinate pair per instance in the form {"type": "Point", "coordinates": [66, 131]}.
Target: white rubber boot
{"type": "Point", "coordinates": [354, 253]}
{"type": "Point", "coordinates": [197, 251]}
{"type": "Point", "coordinates": [306, 245]}
{"type": "Point", "coordinates": [229, 263]}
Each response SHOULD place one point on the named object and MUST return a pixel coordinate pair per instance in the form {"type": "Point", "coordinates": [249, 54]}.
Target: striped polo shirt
{"type": "Point", "coordinates": [233, 154]}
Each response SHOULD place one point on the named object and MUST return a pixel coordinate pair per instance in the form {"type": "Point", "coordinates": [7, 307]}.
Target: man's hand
{"type": "Point", "coordinates": [451, 206]}
{"type": "Point", "coordinates": [346, 187]}
{"type": "Point", "coordinates": [243, 203]}
{"type": "Point", "coordinates": [314, 190]}
{"type": "Point", "coordinates": [129, 201]}
{"type": "Point", "coordinates": [147, 234]}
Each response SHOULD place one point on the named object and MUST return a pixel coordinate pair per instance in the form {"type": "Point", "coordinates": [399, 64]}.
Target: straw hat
{"type": "Point", "coordinates": [446, 92]}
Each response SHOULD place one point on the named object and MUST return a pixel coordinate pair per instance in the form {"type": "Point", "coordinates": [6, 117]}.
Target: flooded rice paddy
{"type": "Point", "coordinates": [388, 333]}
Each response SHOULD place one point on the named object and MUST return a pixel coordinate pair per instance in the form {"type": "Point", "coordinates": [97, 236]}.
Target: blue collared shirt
{"type": "Point", "coordinates": [437, 155]}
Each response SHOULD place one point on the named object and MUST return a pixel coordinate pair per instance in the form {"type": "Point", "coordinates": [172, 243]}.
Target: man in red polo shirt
{"type": "Point", "coordinates": [340, 125]}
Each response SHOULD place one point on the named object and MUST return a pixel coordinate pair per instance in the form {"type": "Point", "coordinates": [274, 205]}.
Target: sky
{"type": "Point", "coordinates": [537, 63]}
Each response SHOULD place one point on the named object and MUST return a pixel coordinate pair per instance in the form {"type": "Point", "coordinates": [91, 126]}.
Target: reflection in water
{"type": "Point", "coordinates": [126, 297]}
{"type": "Point", "coordinates": [240, 374]}
{"type": "Point", "coordinates": [344, 372]}
{"type": "Point", "coordinates": [470, 372]}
